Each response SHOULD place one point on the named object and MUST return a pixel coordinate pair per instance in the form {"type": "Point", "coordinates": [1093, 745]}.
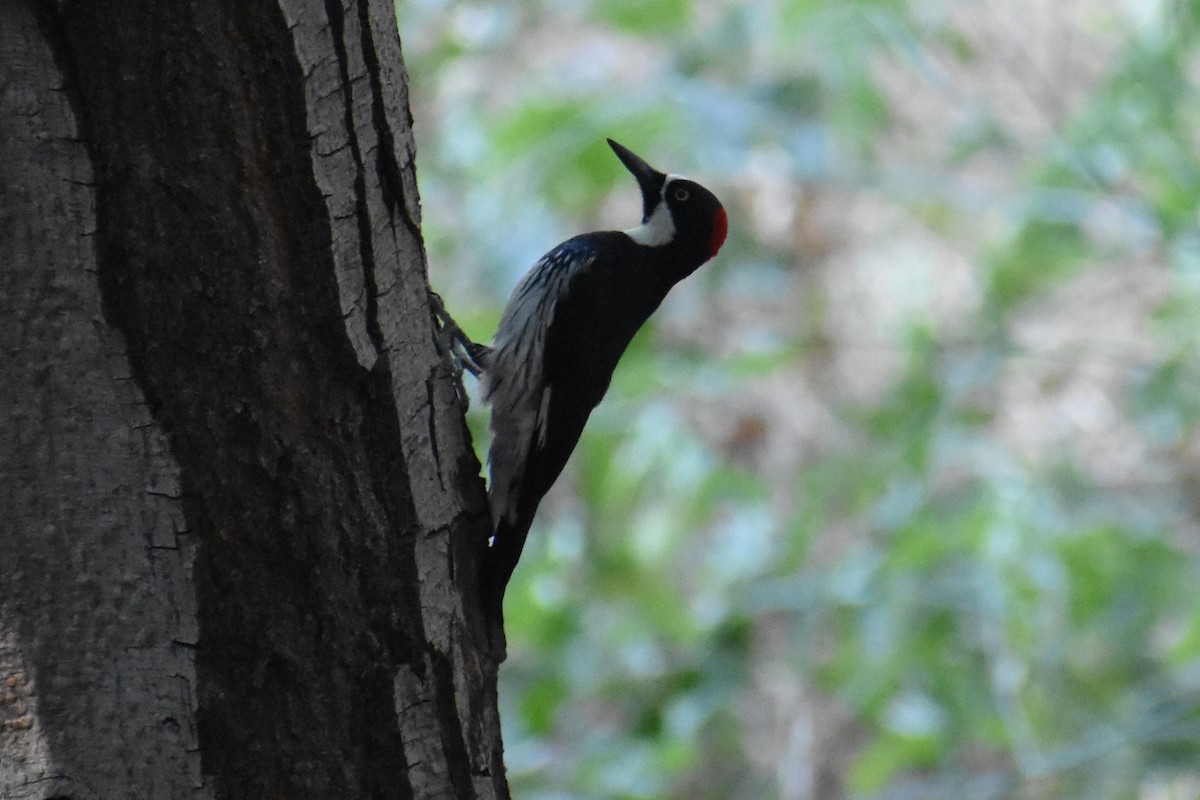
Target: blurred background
{"type": "Point", "coordinates": [899, 497]}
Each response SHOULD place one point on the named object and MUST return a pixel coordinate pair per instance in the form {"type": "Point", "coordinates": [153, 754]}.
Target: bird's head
{"type": "Point", "coordinates": [675, 211]}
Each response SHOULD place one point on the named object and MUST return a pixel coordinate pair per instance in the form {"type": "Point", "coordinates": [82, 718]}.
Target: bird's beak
{"type": "Point", "coordinates": [649, 179]}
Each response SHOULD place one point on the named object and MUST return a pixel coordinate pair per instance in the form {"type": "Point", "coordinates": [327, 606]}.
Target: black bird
{"type": "Point", "coordinates": [560, 338]}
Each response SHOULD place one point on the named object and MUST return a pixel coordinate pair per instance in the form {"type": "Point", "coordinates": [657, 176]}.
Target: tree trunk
{"type": "Point", "coordinates": [242, 516]}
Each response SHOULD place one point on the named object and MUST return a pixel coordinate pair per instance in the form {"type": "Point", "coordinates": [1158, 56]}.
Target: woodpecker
{"type": "Point", "coordinates": [562, 333]}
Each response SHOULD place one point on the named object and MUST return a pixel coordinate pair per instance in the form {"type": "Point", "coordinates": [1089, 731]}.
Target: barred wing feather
{"type": "Point", "coordinates": [514, 385]}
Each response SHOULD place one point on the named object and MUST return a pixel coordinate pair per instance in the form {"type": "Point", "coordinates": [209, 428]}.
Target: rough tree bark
{"type": "Point", "coordinates": [241, 514]}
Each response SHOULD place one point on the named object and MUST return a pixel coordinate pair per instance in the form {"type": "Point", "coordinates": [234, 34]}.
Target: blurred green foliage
{"type": "Point", "coordinates": [976, 577]}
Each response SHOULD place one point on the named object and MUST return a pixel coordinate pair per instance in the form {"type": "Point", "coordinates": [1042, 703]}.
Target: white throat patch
{"type": "Point", "coordinates": [659, 230]}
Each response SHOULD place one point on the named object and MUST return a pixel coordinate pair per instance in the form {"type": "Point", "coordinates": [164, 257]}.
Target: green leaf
{"type": "Point", "coordinates": [541, 701]}
{"type": "Point", "coordinates": [645, 17]}
{"type": "Point", "coordinates": [881, 760]}
{"type": "Point", "coordinates": [1042, 254]}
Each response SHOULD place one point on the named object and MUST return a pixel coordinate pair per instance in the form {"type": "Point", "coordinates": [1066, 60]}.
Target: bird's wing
{"type": "Point", "coordinates": [514, 384]}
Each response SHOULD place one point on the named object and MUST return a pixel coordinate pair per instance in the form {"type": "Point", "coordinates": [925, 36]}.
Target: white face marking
{"type": "Point", "coordinates": [660, 228]}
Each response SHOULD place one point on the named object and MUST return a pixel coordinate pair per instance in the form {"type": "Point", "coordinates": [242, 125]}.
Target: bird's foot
{"type": "Point", "coordinates": [465, 353]}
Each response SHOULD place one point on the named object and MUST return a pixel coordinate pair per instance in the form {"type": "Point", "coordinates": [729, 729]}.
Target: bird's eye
{"type": "Point", "coordinates": [681, 194]}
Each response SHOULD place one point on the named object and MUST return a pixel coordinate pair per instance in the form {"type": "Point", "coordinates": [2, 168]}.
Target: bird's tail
{"type": "Point", "coordinates": [502, 558]}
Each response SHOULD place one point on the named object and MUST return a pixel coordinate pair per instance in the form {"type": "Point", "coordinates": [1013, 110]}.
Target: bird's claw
{"type": "Point", "coordinates": [465, 353]}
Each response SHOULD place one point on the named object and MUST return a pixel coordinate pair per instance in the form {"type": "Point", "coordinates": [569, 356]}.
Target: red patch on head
{"type": "Point", "coordinates": [720, 230]}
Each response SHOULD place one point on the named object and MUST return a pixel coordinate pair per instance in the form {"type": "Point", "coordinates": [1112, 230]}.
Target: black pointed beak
{"type": "Point", "coordinates": [649, 179]}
